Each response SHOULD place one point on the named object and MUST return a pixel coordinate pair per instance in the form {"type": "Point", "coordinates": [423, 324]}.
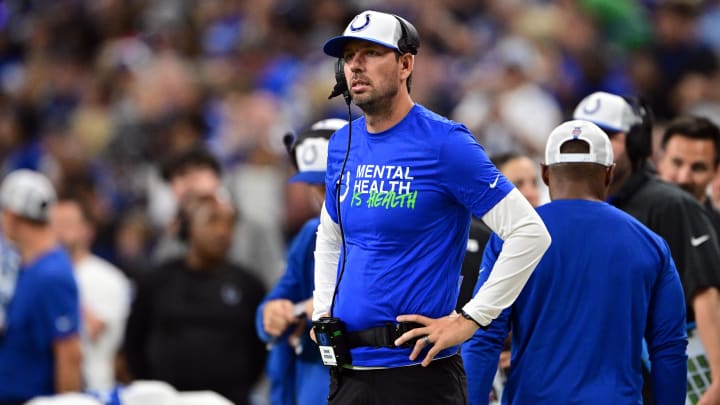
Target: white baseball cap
{"type": "Point", "coordinates": [608, 111]}
{"type": "Point", "coordinates": [600, 147]}
{"type": "Point", "coordinates": [381, 28]}
{"type": "Point", "coordinates": [28, 194]}
{"type": "Point", "coordinates": [310, 151]}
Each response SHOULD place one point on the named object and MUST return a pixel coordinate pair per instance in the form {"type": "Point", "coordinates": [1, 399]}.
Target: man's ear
{"type": "Point", "coordinates": [609, 174]}
{"type": "Point", "coordinates": [544, 169]}
{"type": "Point", "coordinates": [407, 64]}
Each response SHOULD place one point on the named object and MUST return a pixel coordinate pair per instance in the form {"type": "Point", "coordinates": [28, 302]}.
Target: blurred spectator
{"type": "Point", "coordinates": [499, 110]}
{"type": "Point", "coordinates": [132, 243]}
{"type": "Point", "coordinates": [192, 320]}
{"type": "Point", "coordinates": [587, 60]}
{"type": "Point", "coordinates": [104, 293]}
{"type": "Point", "coordinates": [189, 174]}
{"type": "Point", "coordinates": [680, 67]}
{"type": "Point", "coordinates": [196, 173]}
{"type": "Point", "coordinates": [40, 348]}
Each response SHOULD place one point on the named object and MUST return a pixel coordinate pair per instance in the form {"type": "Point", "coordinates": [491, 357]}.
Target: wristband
{"type": "Point", "coordinates": [467, 316]}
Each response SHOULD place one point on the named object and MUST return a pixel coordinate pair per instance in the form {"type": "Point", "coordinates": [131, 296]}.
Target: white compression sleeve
{"type": "Point", "coordinates": [526, 239]}
{"type": "Point", "coordinates": [327, 255]}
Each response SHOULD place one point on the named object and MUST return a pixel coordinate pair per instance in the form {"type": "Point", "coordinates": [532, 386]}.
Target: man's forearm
{"type": "Point", "coordinates": [707, 317]}
{"type": "Point", "coordinates": [68, 361]}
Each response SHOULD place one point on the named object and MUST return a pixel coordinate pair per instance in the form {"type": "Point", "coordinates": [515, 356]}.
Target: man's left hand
{"type": "Point", "coordinates": [440, 333]}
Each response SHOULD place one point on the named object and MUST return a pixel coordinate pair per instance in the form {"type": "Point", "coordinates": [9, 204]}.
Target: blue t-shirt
{"type": "Point", "coordinates": [606, 282]}
{"type": "Point", "coordinates": [44, 309]}
{"type": "Point", "coordinates": [406, 201]}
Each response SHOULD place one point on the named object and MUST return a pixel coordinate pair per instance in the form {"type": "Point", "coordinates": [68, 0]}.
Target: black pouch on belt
{"type": "Point", "coordinates": [332, 341]}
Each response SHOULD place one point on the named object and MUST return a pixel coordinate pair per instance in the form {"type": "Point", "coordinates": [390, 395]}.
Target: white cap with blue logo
{"type": "Point", "coordinates": [381, 28]}
{"type": "Point", "coordinates": [600, 152]}
{"type": "Point", "coordinates": [310, 151]}
{"type": "Point", "coordinates": [608, 111]}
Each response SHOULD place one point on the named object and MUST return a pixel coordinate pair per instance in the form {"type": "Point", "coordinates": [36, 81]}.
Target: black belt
{"type": "Point", "coordinates": [383, 336]}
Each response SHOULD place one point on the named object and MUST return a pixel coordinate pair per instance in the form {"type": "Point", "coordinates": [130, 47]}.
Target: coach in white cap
{"type": "Point", "coordinates": [606, 282]}
{"type": "Point", "coordinates": [40, 349]}
{"type": "Point", "coordinates": [666, 209]}
{"type": "Point", "coordinates": [394, 229]}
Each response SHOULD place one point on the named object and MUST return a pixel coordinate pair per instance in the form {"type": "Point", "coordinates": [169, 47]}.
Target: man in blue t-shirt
{"type": "Point", "coordinates": [605, 283]}
{"type": "Point", "coordinates": [402, 183]}
{"type": "Point", "coordinates": [40, 347]}
{"type": "Point", "coordinates": [293, 366]}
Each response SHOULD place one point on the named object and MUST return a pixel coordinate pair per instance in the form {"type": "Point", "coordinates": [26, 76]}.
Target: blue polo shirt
{"type": "Point", "coordinates": [406, 201]}
{"type": "Point", "coordinates": [44, 309]}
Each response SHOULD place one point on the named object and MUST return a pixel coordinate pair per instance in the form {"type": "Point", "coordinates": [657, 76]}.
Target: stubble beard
{"type": "Point", "coordinates": [378, 104]}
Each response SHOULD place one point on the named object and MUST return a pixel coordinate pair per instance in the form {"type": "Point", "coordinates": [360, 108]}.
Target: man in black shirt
{"type": "Point", "coordinates": [665, 209]}
{"type": "Point", "coordinates": [192, 321]}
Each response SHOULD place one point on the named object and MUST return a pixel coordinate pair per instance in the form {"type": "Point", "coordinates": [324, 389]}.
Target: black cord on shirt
{"type": "Point", "coordinates": [338, 189]}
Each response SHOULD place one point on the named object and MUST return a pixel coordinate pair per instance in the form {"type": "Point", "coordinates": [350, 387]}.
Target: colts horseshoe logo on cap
{"type": "Point", "coordinates": [594, 109]}
{"type": "Point", "coordinates": [353, 28]}
{"type": "Point", "coordinates": [309, 155]}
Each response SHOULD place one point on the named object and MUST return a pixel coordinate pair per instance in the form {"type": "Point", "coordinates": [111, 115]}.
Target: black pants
{"type": "Point", "coordinates": [441, 383]}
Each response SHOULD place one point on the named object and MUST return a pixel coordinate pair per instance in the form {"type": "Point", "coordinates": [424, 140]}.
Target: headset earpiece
{"type": "Point", "coordinates": [341, 86]}
{"type": "Point", "coordinates": [638, 142]}
{"type": "Point", "coordinates": [409, 41]}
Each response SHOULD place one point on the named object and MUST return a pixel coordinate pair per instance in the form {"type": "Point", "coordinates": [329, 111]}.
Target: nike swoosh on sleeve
{"type": "Point", "coordinates": [695, 242]}
{"type": "Point", "coordinates": [494, 183]}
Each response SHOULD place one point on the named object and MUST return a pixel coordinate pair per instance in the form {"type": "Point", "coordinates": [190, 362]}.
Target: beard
{"type": "Point", "coordinates": [378, 102]}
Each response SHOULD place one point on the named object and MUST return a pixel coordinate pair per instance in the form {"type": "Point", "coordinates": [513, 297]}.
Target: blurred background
{"type": "Point", "coordinates": [98, 94]}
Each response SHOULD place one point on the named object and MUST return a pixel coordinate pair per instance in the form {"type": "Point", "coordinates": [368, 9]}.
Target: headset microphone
{"type": "Point", "coordinates": [340, 82]}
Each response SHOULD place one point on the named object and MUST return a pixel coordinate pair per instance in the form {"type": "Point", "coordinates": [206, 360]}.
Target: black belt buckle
{"type": "Point", "coordinates": [402, 327]}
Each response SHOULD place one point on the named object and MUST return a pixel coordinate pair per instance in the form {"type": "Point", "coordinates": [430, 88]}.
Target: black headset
{"type": "Point", "coordinates": [409, 42]}
{"type": "Point", "coordinates": [638, 142]}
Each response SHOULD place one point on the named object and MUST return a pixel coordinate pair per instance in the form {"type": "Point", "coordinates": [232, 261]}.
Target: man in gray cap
{"type": "Point", "coordinates": [40, 348]}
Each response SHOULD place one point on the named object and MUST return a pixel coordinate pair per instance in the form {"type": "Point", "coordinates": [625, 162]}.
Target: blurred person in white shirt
{"type": "Point", "coordinates": [104, 293]}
